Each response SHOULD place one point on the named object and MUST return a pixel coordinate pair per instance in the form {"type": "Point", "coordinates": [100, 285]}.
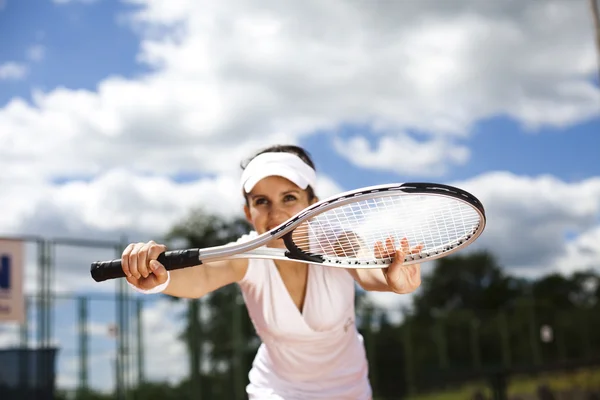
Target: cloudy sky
{"type": "Point", "coordinates": [117, 117]}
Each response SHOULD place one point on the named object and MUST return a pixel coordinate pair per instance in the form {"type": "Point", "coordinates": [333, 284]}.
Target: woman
{"type": "Point", "coordinates": [304, 314]}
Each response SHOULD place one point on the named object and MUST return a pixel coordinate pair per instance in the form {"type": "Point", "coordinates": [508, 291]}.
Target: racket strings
{"type": "Point", "coordinates": [359, 230]}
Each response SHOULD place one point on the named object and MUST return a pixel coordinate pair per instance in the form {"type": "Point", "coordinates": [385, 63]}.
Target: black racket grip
{"type": "Point", "coordinates": [175, 259]}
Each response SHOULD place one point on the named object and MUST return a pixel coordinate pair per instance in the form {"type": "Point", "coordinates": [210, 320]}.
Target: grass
{"type": "Point", "coordinates": [583, 379]}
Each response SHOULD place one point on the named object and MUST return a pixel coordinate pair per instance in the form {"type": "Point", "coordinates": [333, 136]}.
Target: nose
{"type": "Point", "coordinates": [277, 215]}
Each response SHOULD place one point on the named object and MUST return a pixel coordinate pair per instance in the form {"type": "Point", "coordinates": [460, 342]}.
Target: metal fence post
{"type": "Point", "coordinates": [122, 335]}
{"type": "Point", "coordinates": [24, 361]}
{"type": "Point", "coordinates": [140, 342]}
{"type": "Point", "coordinates": [533, 333]}
{"type": "Point", "coordinates": [475, 347]}
{"type": "Point", "coordinates": [505, 339]}
{"type": "Point", "coordinates": [409, 358]}
{"type": "Point", "coordinates": [83, 343]}
{"type": "Point", "coordinates": [440, 341]}
{"type": "Point", "coordinates": [237, 347]}
{"type": "Point", "coordinates": [41, 305]}
{"type": "Point", "coordinates": [50, 252]}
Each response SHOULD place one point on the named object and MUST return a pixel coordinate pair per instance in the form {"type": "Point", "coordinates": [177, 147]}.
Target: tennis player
{"type": "Point", "coordinates": [303, 313]}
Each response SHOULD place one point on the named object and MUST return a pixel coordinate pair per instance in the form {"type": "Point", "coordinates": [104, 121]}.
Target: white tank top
{"type": "Point", "coordinates": [314, 354]}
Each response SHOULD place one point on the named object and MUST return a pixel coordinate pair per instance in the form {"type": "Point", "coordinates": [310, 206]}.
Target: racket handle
{"type": "Point", "coordinates": [175, 259]}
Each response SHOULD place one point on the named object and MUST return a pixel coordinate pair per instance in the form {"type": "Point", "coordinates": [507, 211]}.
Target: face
{"type": "Point", "coordinates": [272, 201]}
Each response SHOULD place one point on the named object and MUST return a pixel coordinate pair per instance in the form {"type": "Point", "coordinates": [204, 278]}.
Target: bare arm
{"type": "Point", "coordinates": [145, 272]}
{"type": "Point", "coordinates": [197, 281]}
{"type": "Point", "coordinates": [371, 280]}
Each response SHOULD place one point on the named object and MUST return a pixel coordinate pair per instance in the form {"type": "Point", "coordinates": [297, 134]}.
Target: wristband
{"type": "Point", "coordinates": [157, 289]}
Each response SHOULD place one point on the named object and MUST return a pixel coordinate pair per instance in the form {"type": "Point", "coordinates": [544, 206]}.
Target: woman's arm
{"type": "Point", "coordinates": [381, 280]}
{"type": "Point", "coordinates": [144, 272]}
{"type": "Point", "coordinates": [197, 281]}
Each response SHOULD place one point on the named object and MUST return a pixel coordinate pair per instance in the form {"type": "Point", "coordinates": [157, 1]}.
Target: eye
{"type": "Point", "coordinates": [290, 197]}
{"type": "Point", "coordinates": [259, 201]}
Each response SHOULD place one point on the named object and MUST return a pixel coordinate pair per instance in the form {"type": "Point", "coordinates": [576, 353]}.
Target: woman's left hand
{"type": "Point", "coordinates": [400, 278]}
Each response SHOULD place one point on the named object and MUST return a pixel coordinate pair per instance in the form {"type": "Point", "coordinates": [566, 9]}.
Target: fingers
{"type": "Point", "coordinates": [404, 246]}
{"type": "Point", "coordinates": [385, 250]}
{"type": "Point", "coordinates": [389, 248]}
{"type": "Point", "coordinates": [379, 250]}
{"type": "Point", "coordinates": [156, 250]}
{"type": "Point", "coordinates": [417, 249]}
{"type": "Point", "coordinates": [142, 259]}
{"type": "Point", "coordinates": [132, 260]}
{"type": "Point", "coordinates": [125, 259]}
{"type": "Point", "coordinates": [402, 278]}
{"type": "Point", "coordinates": [159, 272]}
{"type": "Point", "coordinates": [136, 259]}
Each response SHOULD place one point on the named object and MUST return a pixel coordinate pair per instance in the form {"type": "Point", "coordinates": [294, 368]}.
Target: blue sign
{"type": "Point", "coordinates": [5, 271]}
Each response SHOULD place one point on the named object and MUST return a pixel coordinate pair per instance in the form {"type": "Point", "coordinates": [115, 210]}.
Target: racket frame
{"type": "Point", "coordinates": [253, 248]}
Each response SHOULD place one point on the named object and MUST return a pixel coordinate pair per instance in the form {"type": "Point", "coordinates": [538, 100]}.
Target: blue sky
{"type": "Point", "coordinates": [499, 143]}
{"type": "Point", "coordinates": [101, 163]}
{"type": "Point", "coordinates": [84, 43]}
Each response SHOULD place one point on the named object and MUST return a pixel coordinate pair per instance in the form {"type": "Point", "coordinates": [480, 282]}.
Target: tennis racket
{"type": "Point", "coordinates": [347, 230]}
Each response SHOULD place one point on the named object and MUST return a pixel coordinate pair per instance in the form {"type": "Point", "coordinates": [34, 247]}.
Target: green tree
{"type": "Point", "coordinates": [567, 306]}
{"type": "Point", "coordinates": [225, 320]}
{"type": "Point", "coordinates": [456, 314]}
{"type": "Point", "coordinates": [473, 281]}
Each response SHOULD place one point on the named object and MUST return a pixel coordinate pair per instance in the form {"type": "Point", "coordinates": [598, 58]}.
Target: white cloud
{"type": "Point", "coordinates": [426, 66]}
{"type": "Point", "coordinates": [13, 71]}
{"type": "Point", "coordinates": [530, 218]}
{"type": "Point", "coordinates": [326, 187]}
{"type": "Point", "coordinates": [403, 154]}
{"type": "Point", "coordinates": [582, 252]}
{"type": "Point", "coordinates": [120, 201]}
{"type": "Point", "coordinates": [129, 124]}
{"type": "Point", "coordinates": [229, 77]}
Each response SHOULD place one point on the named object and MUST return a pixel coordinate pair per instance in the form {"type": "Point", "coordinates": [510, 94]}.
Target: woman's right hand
{"type": "Point", "coordinates": [140, 266]}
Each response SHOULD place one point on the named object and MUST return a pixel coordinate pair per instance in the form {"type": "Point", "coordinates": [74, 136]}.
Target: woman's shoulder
{"type": "Point", "coordinates": [254, 269]}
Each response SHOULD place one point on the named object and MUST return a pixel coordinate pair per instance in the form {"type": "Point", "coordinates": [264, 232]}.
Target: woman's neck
{"type": "Point", "coordinates": [291, 267]}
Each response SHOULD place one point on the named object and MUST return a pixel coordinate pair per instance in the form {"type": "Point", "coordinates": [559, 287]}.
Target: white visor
{"type": "Point", "coordinates": [286, 165]}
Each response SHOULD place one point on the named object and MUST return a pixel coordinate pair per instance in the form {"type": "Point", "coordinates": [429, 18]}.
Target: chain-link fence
{"type": "Point", "coordinates": [55, 340]}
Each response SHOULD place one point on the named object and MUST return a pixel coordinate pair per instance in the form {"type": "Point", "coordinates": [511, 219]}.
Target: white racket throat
{"type": "Point", "coordinates": [350, 230]}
